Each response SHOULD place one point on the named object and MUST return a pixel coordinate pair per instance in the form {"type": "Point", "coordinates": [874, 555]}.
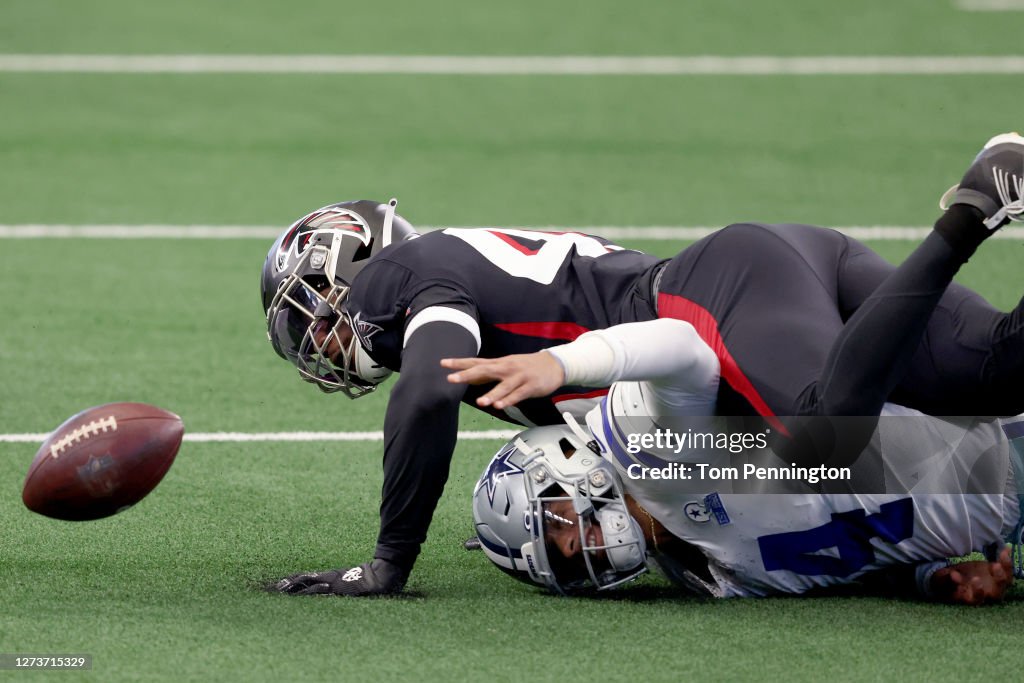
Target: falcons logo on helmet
{"type": "Point", "coordinates": [364, 330]}
{"type": "Point", "coordinates": [329, 218]}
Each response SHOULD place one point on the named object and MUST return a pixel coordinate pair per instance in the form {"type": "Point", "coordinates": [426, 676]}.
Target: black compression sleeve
{"type": "Point", "coordinates": [419, 437]}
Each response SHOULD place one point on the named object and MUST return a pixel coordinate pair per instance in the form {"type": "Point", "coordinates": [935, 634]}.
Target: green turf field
{"type": "Point", "coordinates": [170, 590]}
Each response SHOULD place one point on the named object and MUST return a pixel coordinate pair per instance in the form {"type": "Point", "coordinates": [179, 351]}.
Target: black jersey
{"type": "Point", "coordinates": [525, 291]}
{"type": "Point", "coordinates": [490, 292]}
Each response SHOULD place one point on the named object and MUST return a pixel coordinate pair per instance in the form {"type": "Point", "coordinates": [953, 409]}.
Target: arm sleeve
{"type": "Point", "coordinates": [906, 580]}
{"type": "Point", "coordinates": [420, 429]}
{"type": "Point", "coordinates": [667, 353]}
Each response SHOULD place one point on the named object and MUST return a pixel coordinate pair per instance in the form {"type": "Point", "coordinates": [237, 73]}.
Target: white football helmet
{"type": "Point", "coordinates": [544, 484]}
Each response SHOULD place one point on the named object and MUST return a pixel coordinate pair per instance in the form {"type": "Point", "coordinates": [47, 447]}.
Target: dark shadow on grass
{"type": "Point", "coordinates": [853, 592]}
{"type": "Point", "coordinates": [667, 593]}
{"type": "Point", "coordinates": [265, 585]}
{"type": "Point", "coordinates": [649, 594]}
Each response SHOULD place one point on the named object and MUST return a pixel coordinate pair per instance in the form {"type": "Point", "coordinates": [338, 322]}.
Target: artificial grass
{"type": "Point", "coordinates": [171, 590]}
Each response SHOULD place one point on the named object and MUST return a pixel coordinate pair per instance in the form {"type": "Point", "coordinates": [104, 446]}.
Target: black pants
{"type": "Point", "coordinates": [779, 305]}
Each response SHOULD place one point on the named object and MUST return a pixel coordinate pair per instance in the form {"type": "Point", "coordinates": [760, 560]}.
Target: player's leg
{"type": "Point", "coordinates": [870, 356]}
{"type": "Point", "coordinates": [767, 300]}
{"type": "Point", "coordinates": [918, 340]}
{"type": "Point", "coordinates": [745, 304]}
{"type": "Point", "coordinates": [970, 361]}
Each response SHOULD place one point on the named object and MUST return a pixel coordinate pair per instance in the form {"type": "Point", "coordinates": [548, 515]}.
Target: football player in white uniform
{"type": "Point", "coordinates": [573, 508]}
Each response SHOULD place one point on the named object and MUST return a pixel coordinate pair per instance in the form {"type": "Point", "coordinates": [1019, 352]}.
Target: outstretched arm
{"type": "Point", "coordinates": [518, 377]}
{"type": "Point", "coordinates": [667, 353]}
{"type": "Point", "coordinates": [974, 582]}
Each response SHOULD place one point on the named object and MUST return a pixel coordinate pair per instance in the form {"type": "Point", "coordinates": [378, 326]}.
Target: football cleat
{"type": "Point", "coordinates": [994, 184]}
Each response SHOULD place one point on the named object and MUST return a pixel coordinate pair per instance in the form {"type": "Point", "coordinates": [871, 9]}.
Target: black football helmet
{"type": "Point", "coordinates": [305, 281]}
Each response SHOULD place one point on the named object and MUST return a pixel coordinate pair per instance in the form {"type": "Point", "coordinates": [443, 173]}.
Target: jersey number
{"type": "Point", "coordinates": [501, 248]}
{"type": "Point", "coordinates": [850, 533]}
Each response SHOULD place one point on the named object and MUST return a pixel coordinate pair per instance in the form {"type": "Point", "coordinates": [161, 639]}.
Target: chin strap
{"type": "Point", "coordinates": [389, 218]}
{"type": "Point", "coordinates": [580, 433]}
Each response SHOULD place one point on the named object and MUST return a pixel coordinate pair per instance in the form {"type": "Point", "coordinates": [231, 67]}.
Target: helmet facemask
{"type": "Point", "coordinates": [307, 319]}
{"type": "Point", "coordinates": [611, 546]}
{"type": "Point", "coordinates": [305, 283]}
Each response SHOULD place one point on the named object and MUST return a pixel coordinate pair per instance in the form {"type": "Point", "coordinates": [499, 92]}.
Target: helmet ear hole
{"type": "Point", "coordinates": [568, 450]}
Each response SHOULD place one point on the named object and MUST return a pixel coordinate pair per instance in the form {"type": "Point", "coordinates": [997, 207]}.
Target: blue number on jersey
{"type": "Point", "coordinates": [850, 533]}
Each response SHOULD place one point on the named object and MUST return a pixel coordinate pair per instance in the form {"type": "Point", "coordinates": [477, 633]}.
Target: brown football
{"type": "Point", "coordinates": [102, 460]}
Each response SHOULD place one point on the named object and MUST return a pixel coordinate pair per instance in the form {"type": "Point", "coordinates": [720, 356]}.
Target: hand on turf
{"type": "Point", "coordinates": [974, 583]}
{"type": "Point", "coordinates": [518, 377]}
{"type": "Point", "coordinates": [379, 577]}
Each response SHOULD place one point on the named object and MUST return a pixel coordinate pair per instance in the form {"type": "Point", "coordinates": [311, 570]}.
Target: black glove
{"type": "Point", "coordinates": [379, 577]}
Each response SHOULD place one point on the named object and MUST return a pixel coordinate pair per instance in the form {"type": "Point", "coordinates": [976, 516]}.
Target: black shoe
{"type": "Point", "coordinates": [994, 184]}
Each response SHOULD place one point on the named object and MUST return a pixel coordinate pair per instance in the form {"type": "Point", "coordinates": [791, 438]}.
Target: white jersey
{"type": "Point", "coordinates": [768, 543]}
{"type": "Point", "coordinates": [758, 543]}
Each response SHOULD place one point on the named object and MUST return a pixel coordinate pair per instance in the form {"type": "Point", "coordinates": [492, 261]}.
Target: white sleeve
{"type": "Point", "coordinates": [667, 353]}
{"type": "Point", "coordinates": [445, 314]}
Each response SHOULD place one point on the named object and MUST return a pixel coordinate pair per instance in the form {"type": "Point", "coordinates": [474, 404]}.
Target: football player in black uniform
{"type": "Point", "coordinates": [352, 293]}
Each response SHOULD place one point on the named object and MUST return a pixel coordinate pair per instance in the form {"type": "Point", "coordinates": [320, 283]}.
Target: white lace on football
{"type": "Point", "coordinates": [84, 432]}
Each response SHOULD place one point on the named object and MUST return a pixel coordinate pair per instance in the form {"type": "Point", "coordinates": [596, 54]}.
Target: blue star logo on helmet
{"type": "Point", "coordinates": [500, 467]}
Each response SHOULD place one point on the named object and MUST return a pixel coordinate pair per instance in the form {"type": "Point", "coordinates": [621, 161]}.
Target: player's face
{"type": "Point", "coordinates": [332, 335]}
{"type": "Point", "coordinates": [562, 532]}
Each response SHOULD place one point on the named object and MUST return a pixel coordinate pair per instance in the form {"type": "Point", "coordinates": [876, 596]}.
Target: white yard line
{"type": "Point", "coordinates": [524, 65]}
{"type": "Point", "coordinates": [990, 5]}
{"type": "Point", "coordinates": [235, 437]}
{"type": "Point", "coordinates": [267, 232]}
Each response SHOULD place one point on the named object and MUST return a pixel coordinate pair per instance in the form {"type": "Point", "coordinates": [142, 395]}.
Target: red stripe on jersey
{"type": "Point", "coordinates": [673, 306]}
{"type": "Point", "coordinates": [544, 330]}
{"type": "Point", "coordinates": [569, 397]}
{"type": "Point", "coordinates": [509, 240]}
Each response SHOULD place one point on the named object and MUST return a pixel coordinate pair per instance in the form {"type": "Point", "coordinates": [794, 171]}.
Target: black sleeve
{"type": "Point", "coordinates": [420, 429]}
{"type": "Point", "coordinates": [904, 580]}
